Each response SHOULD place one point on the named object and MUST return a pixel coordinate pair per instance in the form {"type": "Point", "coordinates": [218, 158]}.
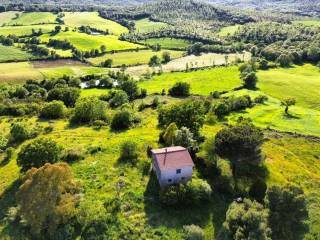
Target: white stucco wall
{"type": "Point", "coordinates": [184, 176]}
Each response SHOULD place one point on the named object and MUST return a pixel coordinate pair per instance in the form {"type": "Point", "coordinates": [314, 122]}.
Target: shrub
{"type": "Point", "coordinates": [119, 98]}
{"type": "Point", "coordinates": [68, 95]}
{"type": "Point", "coordinates": [183, 137]}
{"type": "Point", "coordinates": [3, 143]}
{"type": "Point", "coordinates": [89, 110]}
{"type": "Point", "coordinates": [53, 110]}
{"type": "Point", "coordinates": [169, 134]}
{"type": "Point", "coordinates": [129, 152]}
{"type": "Point", "coordinates": [193, 232]}
{"type": "Point", "coordinates": [180, 89]}
{"type": "Point", "coordinates": [258, 190]}
{"type": "Point", "coordinates": [131, 88]}
{"type": "Point", "coordinates": [221, 109]}
{"type": "Point", "coordinates": [73, 155]}
{"type": "Point", "coordinates": [261, 99]}
{"type": "Point", "coordinates": [37, 153]}
{"type": "Point", "coordinates": [249, 80]}
{"type": "Point", "coordinates": [198, 191]}
{"type": "Point", "coordinates": [19, 132]}
{"type": "Point", "coordinates": [122, 120]}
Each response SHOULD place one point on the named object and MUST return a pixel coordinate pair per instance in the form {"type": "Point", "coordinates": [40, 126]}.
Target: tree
{"type": "Point", "coordinates": [183, 137]}
{"type": "Point", "coordinates": [240, 144]}
{"type": "Point", "coordinates": [37, 153]}
{"type": "Point", "coordinates": [166, 57]}
{"type": "Point", "coordinates": [122, 120]}
{"type": "Point", "coordinates": [189, 114]}
{"type": "Point", "coordinates": [131, 88]}
{"type": "Point", "coordinates": [284, 60]}
{"type": "Point", "coordinates": [180, 89]}
{"type": "Point", "coordinates": [68, 95]}
{"type": "Point", "coordinates": [103, 48]}
{"type": "Point", "coordinates": [287, 205]}
{"type": "Point", "coordinates": [53, 110]}
{"type": "Point", "coordinates": [169, 134]}
{"type": "Point", "coordinates": [287, 103]}
{"type": "Point", "coordinates": [249, 80]}
{"type": "Point", "coordinates": [89, 110]}
{"type": "Point", "coordinates": [221, 109]}
{"type": "Point", "coordinates": [57, 29]}
{"type": "Point", "coordinates": [246, 221]}
{"type": "Point", "coordinates": [129, 152]}
{"type": "Point", "coordinates": [47, 198]}
{"type": "Point", "coordinates": [119, 98]}
{"type": "Point", "coordinates": [107, 63]}
{"type": "Point", "coordinates": [154, 61]}
{"type": "Point", "coordinates": [19, 132]}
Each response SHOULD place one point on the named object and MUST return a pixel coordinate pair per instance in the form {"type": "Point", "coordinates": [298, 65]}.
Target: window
{"type": "Point", "coordinates": [169, 180]}
{"type": "Point", "coordinates": [178, 171]}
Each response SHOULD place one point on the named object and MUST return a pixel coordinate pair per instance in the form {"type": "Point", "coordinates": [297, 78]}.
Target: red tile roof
{"type": "Point", "coordinates": [172, 158]}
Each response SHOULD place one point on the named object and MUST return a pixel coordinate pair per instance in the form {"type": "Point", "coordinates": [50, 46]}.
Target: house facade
{"type": "Point", "coordinates": [172, 165]}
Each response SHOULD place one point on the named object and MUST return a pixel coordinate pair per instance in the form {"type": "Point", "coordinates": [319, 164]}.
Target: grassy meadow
{"type": "Point", "coordinates": [169, 43]}
{"type": "Point", "coordinates": [92, 19]}
{"type": "Point", "coordinates": [25, 30]}
{"type": "Point", "coordinates": [308, 22]}
{"type": "Point", "coordinates": [34, 18]}
{"type": "Point", "coordinates": [229, 31]}
{"type": "Point", "coordinates": [145, 25]}
{"type": "Point", "coordinates": [6, 17]}
{"type": "Point", "coordinates": [85, 42]}
{"type": "Point", "coordinates": [9, 53]}
{"type": "Point", "coordinates": [133, 57]}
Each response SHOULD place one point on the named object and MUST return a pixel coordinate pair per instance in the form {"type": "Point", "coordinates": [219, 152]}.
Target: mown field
{"type": "Point", "coordinates": [25, 30]}
{"type": "Point", "coordinates": [169, 43]}
{"type": "Point", "coordinates": [133, 57]}
{"type": "Point", "coordinates": [33, 18]}
{"type": "Point", "coordinates": [13, 54]}
{"type": "Point", "coordinates": [92, 19]}
{"type": "Point", "coordinates": [145, 25]}
{"type": "Point", "coordinates": [85, 42]}
{"type": "Point", "coordinates": [6, 17]}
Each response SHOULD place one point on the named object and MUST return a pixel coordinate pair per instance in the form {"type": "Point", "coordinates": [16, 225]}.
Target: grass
{"type": "Point", "coordinates": [34, 18]}
{"type": "Point", "coordinates": [6, 17]}
{"type": "Point", "coordinates": [132, 58]}
{"type": "Point", "coordinates": [25, 30]}
{"type": "Point", "coordinates": [169, 43]}
{"type": "Point", "coordinates": [202, 81]}
{"type": "Point", "coordinates": [9, 53]}
{"type": "Point", "coordinates": [299, 82]}
{"type": "Point", "coordinates": [93, 92]}
{"type": "Point", "coordinates": [85, 42]}
{"type": "Point", "coordinates": [145, 25]}
{"type": "Point", "coordinates": [229, 31]}
{"type": "Point", "coordinates": [308, 22]}
{"type": "Point", "coordinates": [92, 19]}
{"type": "Point", "coordinates": [22, 71]}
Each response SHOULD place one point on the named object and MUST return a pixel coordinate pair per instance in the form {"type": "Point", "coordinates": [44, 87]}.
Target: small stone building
{"type": "Point", "coordinates": [172, 165]}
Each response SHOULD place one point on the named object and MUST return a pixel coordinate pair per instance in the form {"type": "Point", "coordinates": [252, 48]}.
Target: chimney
{"type": "Point", "coordinates": [165, 156]}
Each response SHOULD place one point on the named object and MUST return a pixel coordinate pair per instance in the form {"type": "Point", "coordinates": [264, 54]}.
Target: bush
{"type": "Point", "coordinates": [249, 80]}
{"type": "Point", "coordinates": [119, 98]}
{"type": "Point", "coordinates": [221, 109]}
{"type": "Point", "coordinates": [89, 110]}
{"type": "Point", "coordinates": [129, 152]}
{"type": "Point", "coordinates": [261, 99]}
{"type": "Point", "coordinates": [68, 95]}
{"type": "Point", "coordinates": [37, 153]}
{"type": "Point", "coordinates": [180, 89]}
{"type": "Point", "coordinates": [73, 155]}
{"type": "Point", "coordinates": [193, 232]}
{"type": "Point", "coordinates": [53, 110]}
{"type": "Point", "coordinates": [122, 120]}
{"type": "Point", "coordinates": [131, 88]}
{"type": "Point", "coordinates": [19, 133]}
{"type": "Point", "coordinates": [3, 143]}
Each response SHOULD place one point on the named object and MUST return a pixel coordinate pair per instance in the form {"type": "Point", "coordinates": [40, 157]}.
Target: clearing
{"type": "Point", "coordinates": [146, 25]}
{"type": "Point", "coordinates": [169, 43]}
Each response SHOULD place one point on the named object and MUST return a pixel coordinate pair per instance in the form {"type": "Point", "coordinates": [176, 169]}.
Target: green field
{"type": "Point", "coordinates": [85, 42]}
{"type": "Point", "coordinates": [202, 81]}
{"type": "Point", "coordinates": [12, 53]}
{"type": "Point", "coordinates": [25, 30]}
{"type": "Point", "coordinates": [33, 18]}
{"type": "Point", "coordinates": [169, 43]}
{"type": "Point", "coordinates": [93, 20]}
{"type": "Point", "coordinates": [22, 71]}
{"type": "Point", "coordinates": [145, 25]}
{"type": "Point", "coordinates": [308, 22]}
{"type": "Point", "coordinates": [6, 17]}
{"type": "Point", "coordinates": [299, 82]}
{"type": "Point", "coordinates": [229, 31]}
{"type": "Point", "coordinates": [133, 58]}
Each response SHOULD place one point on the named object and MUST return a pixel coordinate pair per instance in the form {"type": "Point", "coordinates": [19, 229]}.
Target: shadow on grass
{"type": "Point", "coordinates": [290, 116]}
{"type": "Point", "coordinates": [4, 161]}
{"type": "Point", "coordinates": [7, 198]}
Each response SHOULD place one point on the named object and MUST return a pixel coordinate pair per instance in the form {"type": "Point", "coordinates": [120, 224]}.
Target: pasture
{"type": "Point", "coordinates": [145, 25]}
{"type": "Point", "coordinates": [9, 53]}
{"type": "Point", "coordinates": [229, 31]}
{"type": "Point", "coordinates": [34, 18]}
{"type": "Point", "coordinates": [92, 19]}
{"type": "Point", "coordinates": [25, 30]}
{"type": "Point", "coordinates": [169, 43]}
{"type": "Point", "coordinates": [133, 57]}
{"type": "Point", "coordinates": [308, 22]}
{"type": "Point", "coordinates": [85, 42]}
{"type": "Point", "coordinates": [299, 82]}
{"type": "Point", "coordinates": [202, 81]}
{"type": "Point", "coordinates": [6, 17]}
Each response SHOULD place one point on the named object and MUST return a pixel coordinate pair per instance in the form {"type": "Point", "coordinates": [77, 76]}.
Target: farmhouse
{"type": "Point", "coordinates": [172, 165]}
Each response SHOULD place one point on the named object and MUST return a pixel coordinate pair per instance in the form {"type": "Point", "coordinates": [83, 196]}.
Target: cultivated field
{"type": "Point", "coordinates": [133, 57]}
{"type": "Point", "coordinates": [169, 43]}
{"type": "Point", "coordinates": [85, 42]}
{"type": "Point", "coordinates": [13, 54]}
{"type": "Point", "coordinates": [145, 25]}
{"type": "Point", "coordinates": [93, 20]}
